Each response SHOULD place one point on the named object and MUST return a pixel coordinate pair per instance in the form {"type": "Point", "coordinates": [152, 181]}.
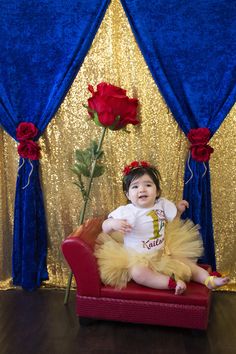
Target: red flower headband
{"type": "Point", "coordinates": [133, 165]}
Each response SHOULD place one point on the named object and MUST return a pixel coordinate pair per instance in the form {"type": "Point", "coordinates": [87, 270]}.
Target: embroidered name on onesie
{"type": "Point", "coordinates": [154, 243]}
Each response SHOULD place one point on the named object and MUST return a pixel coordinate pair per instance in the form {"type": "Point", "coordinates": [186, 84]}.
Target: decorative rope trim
{"type": "Point", "coordinates": [205, 169]}
{"type": "Point", "coordinates": [189, 155]}
{"type": "Point", "coordinates": [31, 171]}
{"type": "Point", "coordinates": [21, 166]}
{"type": "Point", "coordinates": [204, 173]}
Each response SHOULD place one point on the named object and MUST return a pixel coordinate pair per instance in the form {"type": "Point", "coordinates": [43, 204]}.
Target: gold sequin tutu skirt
{"type": "Point", "coordinates": [183, 244]}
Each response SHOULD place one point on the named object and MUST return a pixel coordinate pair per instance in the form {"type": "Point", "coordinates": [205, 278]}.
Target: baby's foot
{"type": "Point", "coordinates": [213, 282]}
{"type": "Point", "coordinates": [180, 287]}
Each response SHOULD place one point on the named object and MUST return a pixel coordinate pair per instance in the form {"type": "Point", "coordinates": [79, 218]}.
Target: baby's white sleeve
{"type": "Point", "coordinates": [123, 212]}
{"type": "Point", "coordinates": [170, 209]}
{"type": "Point", "coordinates": [118, 213]}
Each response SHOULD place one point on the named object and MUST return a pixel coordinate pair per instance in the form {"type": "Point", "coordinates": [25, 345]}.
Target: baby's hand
{"type": "Point", "coordinates": [121, 225]}
{"type": "Point", "coordinates": [111, 224]}
{"type": "Point", "coordinates": [181, 206]}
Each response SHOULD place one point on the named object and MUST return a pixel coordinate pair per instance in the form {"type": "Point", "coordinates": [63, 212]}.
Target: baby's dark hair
{"type": "Point", "coordinates": [137, 172]}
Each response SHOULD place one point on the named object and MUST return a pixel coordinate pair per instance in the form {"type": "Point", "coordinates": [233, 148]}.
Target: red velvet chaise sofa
{"type": "Point", "coordinates": [135, 303]}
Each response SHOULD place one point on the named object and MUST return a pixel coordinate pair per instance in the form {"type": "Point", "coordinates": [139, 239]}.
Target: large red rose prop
{"type": "Point", "coordinates": [26, 131]}
{"type": "Point", "coordinates": [110, 107]}
{"type": "Point", "coordinates": [199, 138]}
{"type": "Point", "coordinates": [29, 149]}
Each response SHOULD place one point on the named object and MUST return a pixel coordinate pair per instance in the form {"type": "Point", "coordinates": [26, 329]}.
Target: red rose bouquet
{"type": "Point", "coordinates": [28, 149]}
{"type": "Point", "coordinates": [199, 149]}
{"type": "Point", "coordinates": [199, 138]}
{"type": "Point", "coordinates": [25, 133]}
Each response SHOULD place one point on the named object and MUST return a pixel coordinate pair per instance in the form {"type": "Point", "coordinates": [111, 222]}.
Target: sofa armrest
{"type": "Point", "coordinates": [78, 249]}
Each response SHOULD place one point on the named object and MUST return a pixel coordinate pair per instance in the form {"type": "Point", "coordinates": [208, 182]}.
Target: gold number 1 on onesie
{"type": "Point", "coordinates": [155, 224]}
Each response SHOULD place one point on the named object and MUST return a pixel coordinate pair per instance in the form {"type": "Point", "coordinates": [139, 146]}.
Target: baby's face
{"type": "Point", "coordinates": [142, 192]}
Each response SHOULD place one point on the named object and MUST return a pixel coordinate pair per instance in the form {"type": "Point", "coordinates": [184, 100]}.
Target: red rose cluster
{"type": "Point", "coordinates": [199, 138]}
{"type": "Point", "coordinates": [110, 107]}
{"type": "Point", "coordinates": [133, 165]}
{"type": "Point", "coordinates": [28, 149]}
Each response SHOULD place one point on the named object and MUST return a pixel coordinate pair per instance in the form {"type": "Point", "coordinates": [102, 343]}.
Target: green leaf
{"type": "Point", "coordinates": [87, 158]}
{"type": "Point", "coordinates": [93, 149]}
{"type": "Point", "coordinates": [80, 155]}
{"type": "Point", "coordinates": [85, 171]}
{"type": "Point", "coordinates": [99, 170]}
{"type": "Point", "coordinates": [95, 152]}
{"type": "Point", "coordinates": [76, 170]}
{"type": "Point", "coordinates": [81, 169]}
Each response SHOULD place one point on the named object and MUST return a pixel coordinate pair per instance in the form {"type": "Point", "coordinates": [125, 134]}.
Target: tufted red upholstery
{"type": "Point", "coordinates": [135, 303]}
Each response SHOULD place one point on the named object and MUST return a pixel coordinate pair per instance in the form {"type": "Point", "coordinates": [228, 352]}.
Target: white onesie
{"type": "Point", "coordinates": [148, 224]}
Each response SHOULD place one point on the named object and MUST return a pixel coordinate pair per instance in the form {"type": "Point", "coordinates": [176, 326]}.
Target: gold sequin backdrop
{"type": "Point", "coordinates": [115, 57]}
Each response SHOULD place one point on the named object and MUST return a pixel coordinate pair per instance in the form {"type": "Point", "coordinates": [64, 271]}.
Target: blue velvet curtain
{"type": "Point", "coordinates": [190, 49]}
{"type": "Point", "coordinates": [43, 44]}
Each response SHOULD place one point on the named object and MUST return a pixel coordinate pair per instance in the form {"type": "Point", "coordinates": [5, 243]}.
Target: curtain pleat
{"type": "Point", "coordinates": [44, 46]}
{"type": "Point", "coordinates": [189, 48]}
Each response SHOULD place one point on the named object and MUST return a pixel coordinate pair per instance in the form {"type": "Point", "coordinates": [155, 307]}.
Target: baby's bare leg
{"type": "Point", "coordinates": [200, 275]}
{"type": "Point", "coordinates": [144, 276]}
